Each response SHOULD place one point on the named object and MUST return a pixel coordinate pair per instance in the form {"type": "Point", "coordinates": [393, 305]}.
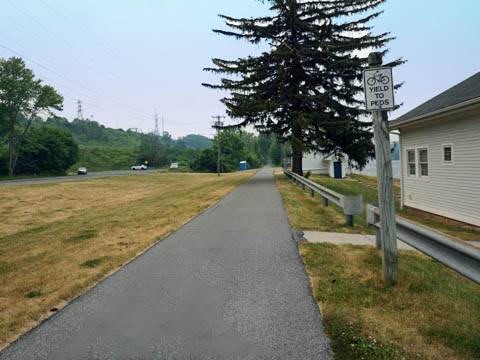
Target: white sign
{"type": "Point", "coordinates": [378, 84]}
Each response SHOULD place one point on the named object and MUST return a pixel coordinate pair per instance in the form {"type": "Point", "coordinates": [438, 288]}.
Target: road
{"type": "Point", "coordinates": [228, 285]}
{"type": "Point", "coordinates": [92, 175]}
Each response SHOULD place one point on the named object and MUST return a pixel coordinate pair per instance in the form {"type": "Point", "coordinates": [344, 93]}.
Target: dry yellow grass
{"type": "Point", "coordinates": [57, 240]}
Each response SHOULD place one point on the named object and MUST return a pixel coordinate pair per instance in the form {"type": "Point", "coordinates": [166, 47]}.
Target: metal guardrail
{"type": "Point", "coordinates": [459, 257]}
{"type": "Point", "coordinates": [351, 204]}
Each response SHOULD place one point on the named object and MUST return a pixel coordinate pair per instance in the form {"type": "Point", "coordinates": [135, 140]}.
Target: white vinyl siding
{"type": "Point", "coordinates": [454, 190]}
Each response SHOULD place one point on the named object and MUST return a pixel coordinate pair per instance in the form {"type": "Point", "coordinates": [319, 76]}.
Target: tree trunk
{"type": "Point", "coordinates": [297, 150]}
{"type": "Point", "coordinates": [297, 157]}
{"type": "Point", "coordinates": [14, 151]}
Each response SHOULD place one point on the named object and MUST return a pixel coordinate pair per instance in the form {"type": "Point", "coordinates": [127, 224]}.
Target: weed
{"type": "Point", "coordinates": [84, 235]}
{"type": "Point", "coordinates": [348, 342]}
{"type": "Point", "coordinates": [33, 294]}
{"type": "Point", "coordinates": [92, 263]}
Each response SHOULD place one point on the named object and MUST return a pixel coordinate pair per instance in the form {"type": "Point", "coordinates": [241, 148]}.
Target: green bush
{"type": "Point", "coordinates": [47, 150]}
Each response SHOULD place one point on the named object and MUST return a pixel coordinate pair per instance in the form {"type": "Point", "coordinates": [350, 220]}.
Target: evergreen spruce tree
{"type": "Point", "coordinates": [307, 89]}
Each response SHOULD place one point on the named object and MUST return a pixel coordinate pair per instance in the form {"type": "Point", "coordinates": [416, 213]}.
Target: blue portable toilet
{"type": "Point", "coordinates": [337, 169]}
{"type": "Point", "coordinates": [243, 165]}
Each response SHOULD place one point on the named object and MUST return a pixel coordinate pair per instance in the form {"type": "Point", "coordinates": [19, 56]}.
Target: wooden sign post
{"type": "Point", "coordinates": [378, 83]}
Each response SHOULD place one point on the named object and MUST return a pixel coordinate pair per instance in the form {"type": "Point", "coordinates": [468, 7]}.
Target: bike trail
{"type": "Point", "coordinates": [228, 285]}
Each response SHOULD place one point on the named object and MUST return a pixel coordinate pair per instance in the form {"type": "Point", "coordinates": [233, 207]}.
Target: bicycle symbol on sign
{"type": "Point", "coordinates": [378, 78]}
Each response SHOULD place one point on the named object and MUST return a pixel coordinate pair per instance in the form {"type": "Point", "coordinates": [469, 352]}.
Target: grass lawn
{"type": "Point", "coordinates": [433, 313]}
{"type": "Point", "coordinates": [308, 214]}
{"type": "Point", "coordinates": [59, 239]}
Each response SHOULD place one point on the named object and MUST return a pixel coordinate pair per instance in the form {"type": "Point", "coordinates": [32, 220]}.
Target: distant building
{"type": "Point", "coordinates": [440, 153]}
{"type": "Point", "coordinates": [335, 167]}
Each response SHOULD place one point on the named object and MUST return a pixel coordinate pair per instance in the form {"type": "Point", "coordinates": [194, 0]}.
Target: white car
{"type": "Point", "coordinates": [82, 171]}
{"type": "Point", "coordinates": [173, 166]}
{"type": "Point", "coordinates": [139, 167]}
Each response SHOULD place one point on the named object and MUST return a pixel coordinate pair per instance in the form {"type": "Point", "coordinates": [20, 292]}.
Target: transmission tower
{"type": "Point", "coordinates": [156, 123]}
{"type": "Point", "coordinates": [79, 110]}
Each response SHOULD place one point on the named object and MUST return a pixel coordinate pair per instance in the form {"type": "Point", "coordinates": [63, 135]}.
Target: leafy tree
{"type": "Point", "coordinates": [307, 88]}
{"type": "Point", "coordinates": [234, 149]}
{"type": "Point", "coordinates": [276, 153]}
{"type": "Point", "coordinates": [206, 160]}
{"type": "Point", "coordinates": [22, 95]}
{"type": "Point", "coordinates": [158, 153]}
{"type": "Point", "coordinates": [152, 150]}
{"type": "Point", "coordinates": [47, 150]}
{"type": "Point", "coordinates": [264, 143]}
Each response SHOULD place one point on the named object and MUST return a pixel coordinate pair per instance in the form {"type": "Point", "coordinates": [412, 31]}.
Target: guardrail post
{"type": "Point", "coordinates": [325, 201]}
{"type": "Point", "coordinates": [372, 219]}
{"type": "Point", "coordinates": [303, 186]}
{"type": "Point", "coordinates": [352, 204]}
{"type": "Point", "coordinates": [378, 232]}
{"type": "Point", "coordinates": [312, 193]}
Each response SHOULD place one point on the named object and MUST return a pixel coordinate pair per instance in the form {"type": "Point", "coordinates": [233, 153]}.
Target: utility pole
{"type": "Point", "coordinates": [218, 125]}
{"type": "Point", "coordinates": [163, 126]}
{"type": "Point", "coordinates": [156, 123]}
{"type": "Point", "coordinates": [379, 96]}
{"type": "Point", "coordinates": [79, 110]}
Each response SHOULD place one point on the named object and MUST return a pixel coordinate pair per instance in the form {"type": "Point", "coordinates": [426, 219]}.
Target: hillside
{"type": "Point", "coordinates": [196, 141]}
{"type": "Point", "coordinates": [91, 133]}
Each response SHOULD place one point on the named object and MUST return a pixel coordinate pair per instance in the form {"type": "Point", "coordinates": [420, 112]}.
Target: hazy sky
{"type": "Point", "coordinates": [126, 58]}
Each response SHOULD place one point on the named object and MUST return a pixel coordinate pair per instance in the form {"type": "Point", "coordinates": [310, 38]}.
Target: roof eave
{"type": "Point", "coordinates": [396, 124]}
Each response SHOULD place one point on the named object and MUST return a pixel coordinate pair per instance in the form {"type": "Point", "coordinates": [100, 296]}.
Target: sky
{"type": "Point", "coordinates": [124, 59]}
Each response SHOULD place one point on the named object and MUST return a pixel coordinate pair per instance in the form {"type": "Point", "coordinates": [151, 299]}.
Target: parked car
{"type": "Point", "coordinates": [173, 166]}
{"type": "Point", "coordinates": [82, 171]}
{"type": "Point", "coordinates": [139, 167]}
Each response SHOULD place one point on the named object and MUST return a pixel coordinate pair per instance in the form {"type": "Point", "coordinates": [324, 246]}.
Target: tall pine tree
{"type": "Point", "coordinates": [307, 89]}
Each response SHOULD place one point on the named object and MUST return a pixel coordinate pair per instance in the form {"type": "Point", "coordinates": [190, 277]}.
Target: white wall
{"type": "Point", "coordinates": [451, 190]}
{"type": "Point", "coordinates": [315, 163]}
{"type": "Point", "coordinates": [318, 164]}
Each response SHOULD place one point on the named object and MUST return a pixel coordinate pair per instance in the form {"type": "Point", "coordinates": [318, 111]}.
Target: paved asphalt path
{"type": "Point", "coordinates": [99, 174]}
{"type": "Point", "coordinates": [227, 285]}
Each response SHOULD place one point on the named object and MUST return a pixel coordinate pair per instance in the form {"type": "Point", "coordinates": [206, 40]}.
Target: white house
{"type": "Point", "coordinates": [335, 167]}
{"type": "Point", "coordinates": [440, 153]}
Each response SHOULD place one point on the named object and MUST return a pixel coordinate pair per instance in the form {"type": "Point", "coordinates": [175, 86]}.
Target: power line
{"type": "Point", "coordinates": [70, 80]}
{"type": "Point", "coordinates": [82, 55]}
{"type": "Point", "coordinates": [101, 42]}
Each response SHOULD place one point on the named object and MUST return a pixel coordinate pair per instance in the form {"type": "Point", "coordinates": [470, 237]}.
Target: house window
{"type": "Point", "coordinates": [447, 154]}
{"type": "Point", "coordinates": [423, 162]}
{"type": "Point", "coordinates": [412, 167]}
